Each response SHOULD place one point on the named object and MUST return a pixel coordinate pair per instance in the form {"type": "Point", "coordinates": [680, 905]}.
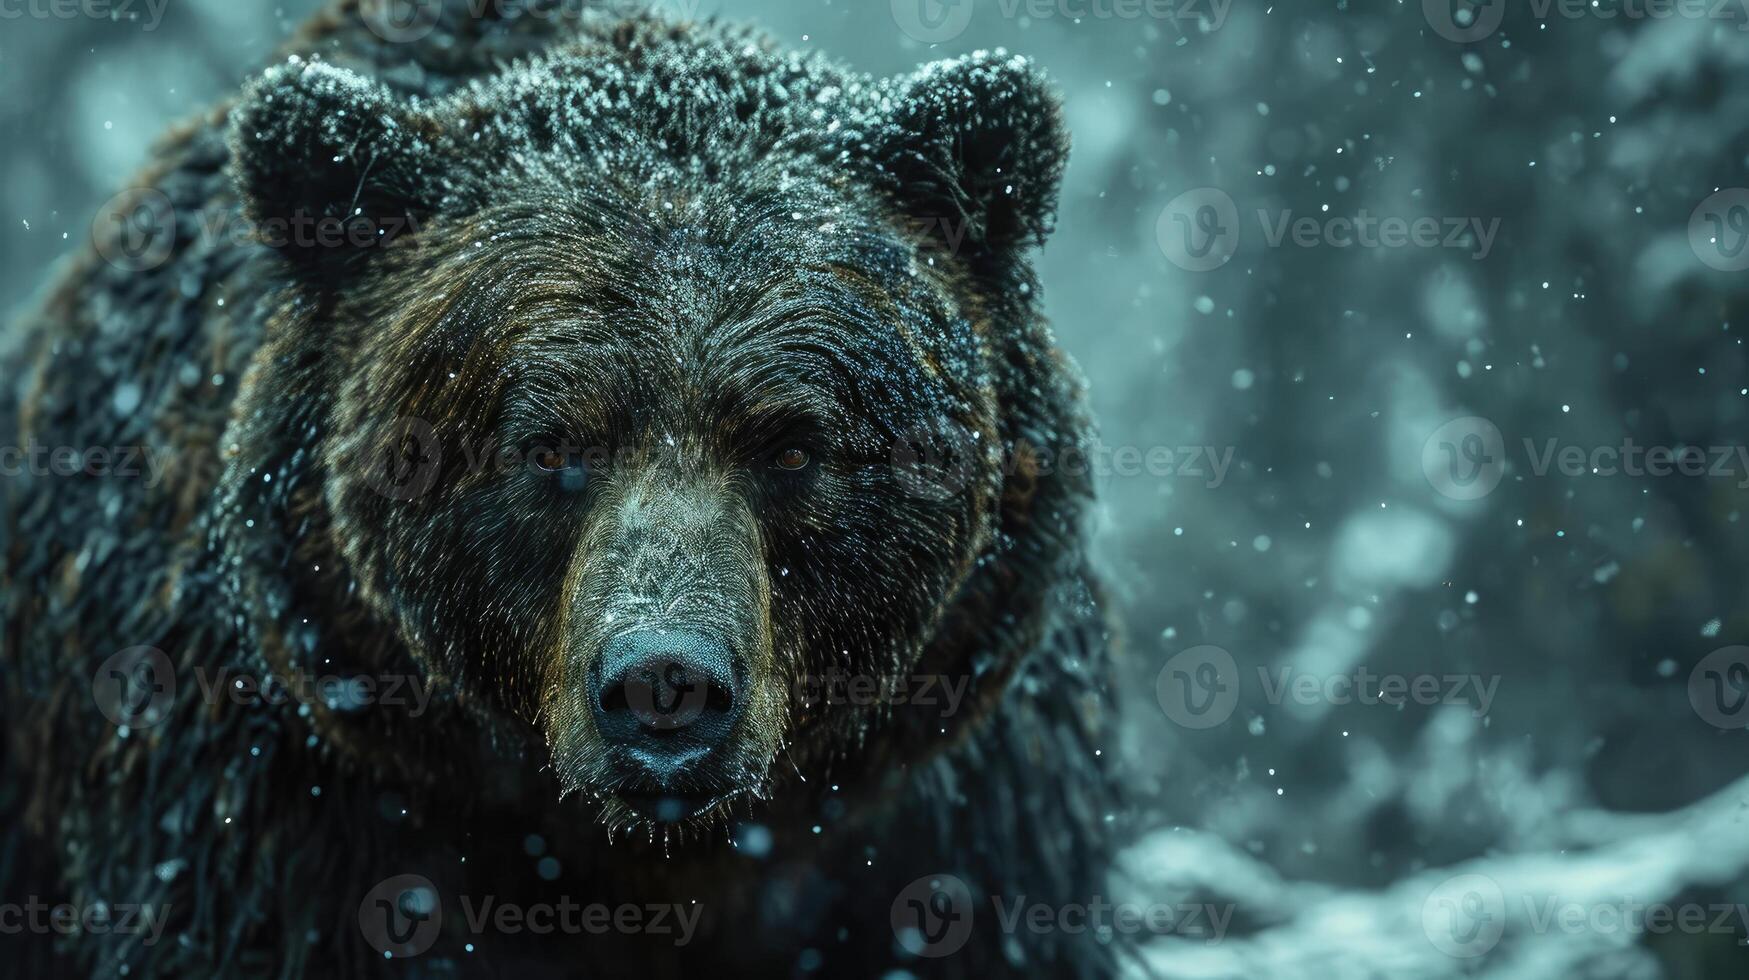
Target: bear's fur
{"type": "Point", "coordinates": [644, 234]}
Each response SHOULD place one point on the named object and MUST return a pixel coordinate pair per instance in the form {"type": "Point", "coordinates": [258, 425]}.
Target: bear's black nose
{"type": "Point", "coordinates": [667, 697]}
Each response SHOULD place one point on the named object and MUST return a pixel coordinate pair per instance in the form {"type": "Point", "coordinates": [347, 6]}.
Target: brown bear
{"type": "Point", "coordinates": [558, 495]}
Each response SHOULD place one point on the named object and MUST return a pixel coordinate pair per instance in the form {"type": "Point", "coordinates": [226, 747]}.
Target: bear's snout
{"type": "Point", "coordinates": [664, 702]}
{"type": "Point", "coordinates": [666, 699]}
{"type": "Point", "coordinates": [664, 695]}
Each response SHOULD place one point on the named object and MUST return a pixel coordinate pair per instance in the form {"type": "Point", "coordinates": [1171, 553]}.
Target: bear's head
{"type": "Point", "coordinates": [668, 400]}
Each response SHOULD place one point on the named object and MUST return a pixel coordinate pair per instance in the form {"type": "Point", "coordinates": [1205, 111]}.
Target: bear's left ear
{"type": "Point", "coordinates": [329, 164]}
{"type": "Point", "coordinates": [975, 149]}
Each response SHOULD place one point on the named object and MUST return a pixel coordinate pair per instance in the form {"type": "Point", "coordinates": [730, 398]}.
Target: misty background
{"type": "Point", "coordinates": [1470, 264]}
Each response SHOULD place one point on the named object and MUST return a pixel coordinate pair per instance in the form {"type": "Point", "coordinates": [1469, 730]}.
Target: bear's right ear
{"type": "Point", "coordinates": [329, 164]}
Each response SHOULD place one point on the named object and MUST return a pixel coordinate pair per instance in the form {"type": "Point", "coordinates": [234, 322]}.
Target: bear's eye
{"type": "Point", "coordinates": [791, 460]}
{"type": "Point", "coordinates": [570, 469]}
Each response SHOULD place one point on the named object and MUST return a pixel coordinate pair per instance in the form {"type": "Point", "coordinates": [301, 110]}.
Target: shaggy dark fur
{"type": "Point", "coordinates": [669, 243]}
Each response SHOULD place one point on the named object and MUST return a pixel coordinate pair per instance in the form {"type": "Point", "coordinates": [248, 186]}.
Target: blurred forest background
{"type": "Point", "coordinates": [1404, 456]}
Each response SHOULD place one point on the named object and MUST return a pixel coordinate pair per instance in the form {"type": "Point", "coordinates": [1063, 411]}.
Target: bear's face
{"type": "Point", "coordinates": [664, 419]}
{"type": "Point", "coordinates": [663, 469]}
